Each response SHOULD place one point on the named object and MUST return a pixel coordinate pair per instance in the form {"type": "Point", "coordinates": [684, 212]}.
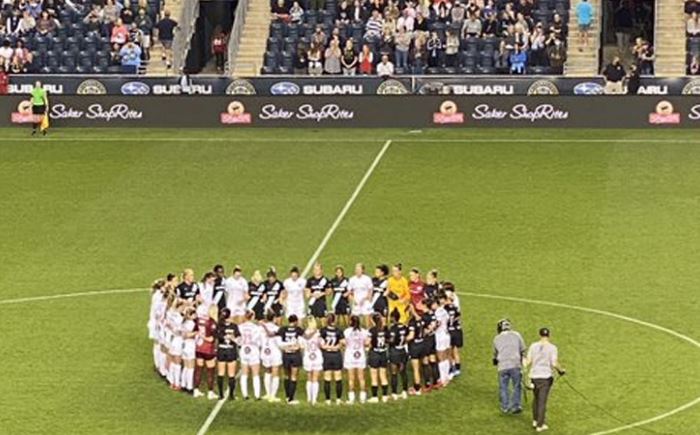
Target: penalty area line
{"type": "Point", "coordinates": [334, 226]}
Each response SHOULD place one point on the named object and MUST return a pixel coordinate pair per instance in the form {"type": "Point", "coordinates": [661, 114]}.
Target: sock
{"type": "Point", "coordinates": [186, 382]}
{"type": "Point", "coordinates": [416, 387]}
{"type": "Point", "coordinates": [220, 382]}
{"type": "Point", "coordinates": [286, 388]}
{"type": "Point", "coordinates": [426, 374]}
{"type": "Point", "coordinates": [177, 373]}
{"type": "Point", "coordinates": [394, 383]}
{"type": "Point", "coordinates": [458, 366]}
{"type": "Point", "coordinates": [404, 379]}
{"type": "Point", "coordinates": [375, 390]}
{"type": "Point", "coordinates": [327, 389]}
{"type": "Point", "coordinates": [292, 389]}
{"type": "Point", "coordinates": [244, 385]}
{"type": "Point", "coordinates": [435, 372]}
{"type": "Point", "coordinates": [314, 391]}
{"type": "Point", "coordinates": [162, 364]}
{"type": "Point", "coordinates": [156, 355]}
{"type": "Point", "coordinates": [210, 378]}
{"type": "Point", "coordinates": [339, 389]}
{"type": "Point", "coordinates": [275, 385]}
{"type": "Point", "coordinates": [267, 380]}
{"type": "Point", "coordinates": [363, 396]}
{"type": "Point", "coordinates": [197, 376]}
{"type": "Point", "coordinates": [351, 396]}
{"type": "Point", "coordinates": [309, 392]}
{"type": "Point", "coordinates": [169, 375]}
{"type": "Point", "coordinates": [232, 387]}
{"type": "Point", "coordinates": [385, 390]}
{"type": "Point", "coordinates": [444, 367]}
{"type": "Point", "coordinates": [256, 386]}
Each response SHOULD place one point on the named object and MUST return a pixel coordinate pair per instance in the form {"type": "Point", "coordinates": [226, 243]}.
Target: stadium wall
{"type": "Point", "coordinates": [361, 111]}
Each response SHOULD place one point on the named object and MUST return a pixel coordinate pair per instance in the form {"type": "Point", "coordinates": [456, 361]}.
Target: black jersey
{"type": "Point", "coordinates": [219, 293]}
{"type": "Point", "coordinates": [430, 322]}
{"type": "Point", "coordinates": [379, 301]}
{"type": "Point", "coordinates": [317, 302]}
{"type": "Point", "coordinates": [398, 333]}
{"type": "Point", "coordinates": [431, 290]}
{"type": "Point", "coordinates": [256, 303]}
{"type": "Point", "coordinates": [187, 291]}
{"type": "Point", "coordinates": [290, 335]}
{"type": "Point", "coordinates": [417, 327]}
{"type": "Point", "coordinates": [226, 333]}
{"type": "Point", "coordinates": [454, 323]}
{"type": "Point", "coordinates": [379, 339]}
{"type": "Point", "coordinates": [340, 290]}
{"type": "Point", "coordinates": [331, 336]}
{"type": "Point", "coordinates": [273, 290]}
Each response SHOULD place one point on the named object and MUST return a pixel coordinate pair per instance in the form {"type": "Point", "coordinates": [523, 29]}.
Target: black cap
{"type": "Point", "coordinates": [544, 332]}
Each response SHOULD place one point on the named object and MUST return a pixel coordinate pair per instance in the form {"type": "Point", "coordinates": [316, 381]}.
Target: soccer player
{"type": "Point", "coordinates": [431, 373]}
{"type": "Point", "coordinates": [398, 294]}
{"type": "Point", "coordinates": [226, 353]}
{"type": "Point", "coordinates": [442, 337]}
{"type": "Point", "coordinates": [293, 294]}
{"type": "Point", "coordinates": [454, 327]}
{"type": "Point", "coordinates": [219, 295]}
{"type": "Point", "coordinates": [206, 289]}
{"type": "Point", "coordinates": [271, 357]}
{"type": "Point", "coordinates": [157, 305]}
{"type": "Point", "coordinates": [313, 360]}
{"type": "Point", "coordinates": [432, 285]}
{"type": "Point", "coordinates": [188, 290]}
{"type": "Point", "coordinates": [206, 351]}
{"type": "Point", "coordinates": [380, 303]}
{"type": "Point", "coordinates": [189, 332]}
{"type": "Point", "coordinates": [40, 105]}
{"type": "Point", "coordinates": [416, 287]}
{"type": "Point", "coordinates": [236, 293]}
{"type": "Point", "coordinates": [290, 336]}
{"type": "Point", "coordinates": [332, 341]}
{"type": "Point", "coordinates": [174, 324]}
{"type": "Point", "coordinates": [273, 293]}
{"type": "Point", "coordinates": [360, 287]}
{"type": "Point", "coordinates": [416, 349]}
{"type": "Point", "coordinates": [250, 344]}
{"type": "Point", "coordinates": [355, 360]}
{"type": "Point", "coordinates": [340, 305]}
{"type": "Point", "coordinates": [398, 356]}
{"type": "Point", "coordinates": [378, 358]}
{"type": "Point", "coordinates": [256, 295]}
{"type": "Point", "coordinates": [317, 288]}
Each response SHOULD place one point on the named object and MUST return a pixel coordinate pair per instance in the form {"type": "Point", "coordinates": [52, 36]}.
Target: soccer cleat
{"type": "Point", "coordinates": [274, 399]}
{"type": "Point", "coordinates": [293, 402]}
{"type": "Point", "coordinates": [411, 391]}
{"type": "Point", "coordinates": [196, 393]}
{"type": "Point", "coordinates": [328, 402]}
{"type": "Point", "coordinates": [418, 393]}
{"type": "Point", "coordinates": [395, 396]}
{"type": "Point", "coordinates": [404, 395]}
{"type": "Point", "coordinates": [246, 398]}
{"type": "Point", "coordinates": [212, 395]}
{"type": "Point", "coordinates": [373, 400]}
{"type": "Point", "coordinates": [542, 428]}
{"type": "Point", "coordinates": [385, 399]}
{"type": "Point", "coordinates": [458, 372]}
{"type": "Point", "coordinates": [534, 424]}
{"type": "Point", "coordinates": [338, 402]}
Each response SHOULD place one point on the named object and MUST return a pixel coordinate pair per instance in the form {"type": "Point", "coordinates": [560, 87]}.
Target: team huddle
{"type": "Point", "coordinates": [230, 328]}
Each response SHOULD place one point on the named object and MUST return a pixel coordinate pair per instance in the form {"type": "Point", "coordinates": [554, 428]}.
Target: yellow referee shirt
{"type": "Point", "coordinates": [399, 287]}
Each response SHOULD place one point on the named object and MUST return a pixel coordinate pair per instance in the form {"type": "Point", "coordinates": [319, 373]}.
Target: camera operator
{"type": "Point", "coordinates": [542, 358]}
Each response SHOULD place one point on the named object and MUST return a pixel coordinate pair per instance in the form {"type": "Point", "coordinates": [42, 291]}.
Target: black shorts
{"type": "Point", "coordinates": [291, 359]}
{"type": "Point", "coordinates": [456, 338]}
{"type": "Point", "coordinates": [417, 350]}
{"type": "Point", "coordinates": [205, 356]}
{"type": "Point", "coordinates": [381, 307]}
{"type": "Point", "coordinates": [398, 356]}
{"type": "Point", "coordinates": [277, 309]}
{"type": "Point", "coordinates": [332, 361]}
{"type": "Point", "coordinates": [342, 308]}
{"type": "Point", "coordinates": [430, 345]}
{"type": "Point", "coordinates": [259, 310]}
{"type": "Point", "coordinates": [227, 354]}
{"type": "Point", "coordinates": [377, 360]}
{"type": "Point", "coordinates": [318, 309]}
{"type": "Point", "coordinates": [38, 110]}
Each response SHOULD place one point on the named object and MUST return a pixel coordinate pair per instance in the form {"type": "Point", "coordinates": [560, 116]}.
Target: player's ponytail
{"type": "Point", "coordinates": [355, 322]}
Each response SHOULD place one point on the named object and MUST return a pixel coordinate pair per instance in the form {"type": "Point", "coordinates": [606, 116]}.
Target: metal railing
{"type": "Point", "coordinates": [234, 40]}
{"type": "Point", "coordinates": [183, 37]}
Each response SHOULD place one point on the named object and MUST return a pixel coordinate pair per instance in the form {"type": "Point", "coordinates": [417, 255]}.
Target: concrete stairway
{"type": "Point", "coordinates": [156, 66]}
{"type": "Point", "coordinates": [251, 49]}
{"type": "Point", "coordinates": [670, 38]}
{"type": "Point", "coordinates": [586, 62]}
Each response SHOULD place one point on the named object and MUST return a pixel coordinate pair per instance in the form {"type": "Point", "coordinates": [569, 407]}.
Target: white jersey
{"type": "Point", "coordinates": [271, 353]}
{"type": "Point", "coordinates": [206, 291]}
{"type": "Point", "coordinates": [360, 288]}
{"type": "Point", "coordinates": [174, 324]}
{"type": "Point", "coordinates": [189, 346]}
{"type": "Point", "coordinates": [250, 342]}
{"type": "Point", "coordinates": [455, 299]}
{"type": "Point", "coordinates": [443, 318]}
{"type": "Point", "coordinates": [295, 297]}
{"type": "Point", "coordinates": [313, 357]}
{"type": "Point", "coordinates": [236, 291]}
{"type": "Point", "coordinates": [355, 355]}
{"type": "Point", "coordinates": [157, 306]}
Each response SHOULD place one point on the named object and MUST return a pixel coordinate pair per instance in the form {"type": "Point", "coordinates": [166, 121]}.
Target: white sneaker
{"type": "Point", "coordinates": [394, 396]}
{"type": "Point", "coordinates": [293, 402]}
{"type": "Point", "coordinates": [328, 402]}
{"type": "Point", "coordinates": [404, 395]}
{"type": "Point", "coordinates": [373, 400]}
{"type": "Point", "coordinates": [418, 393]}
{"type": "Point", "coordinates": [534, 424]}
{"type": "Point", "coordinates": [338, 402]}
{"type": "Point", "coordinates": [274, 399]}
{"type": "Point", "coordinates": [196, 393]}
{"type": "Point", "coordinates": [350, 402]}
{"type": "Point", "coordinates": [542, 428]}
{"type": "Point", "coordinates": [212, 396]}
{"type": "Point", "coordinates": [385, 399]}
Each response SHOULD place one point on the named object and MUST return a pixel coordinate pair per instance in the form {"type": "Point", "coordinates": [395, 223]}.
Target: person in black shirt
{"type": "Point", "coordinates": [317, 287]}
{"type": "Point", "coordinates": [454, 327]}
{"type": "Point", "coordinates": [187, 290]}
{"type": "Point", "coordinates": [380, 304]}
{"type": "Point", "coordinates": [332, 359]}
{"type": "Point", "coordinates": [273, 291]}
{"type": "Point", "coordinates": [340, 305]}
{"type": "Point", "coordinates": [416, 348]}
{"type": "Point", "coordinates": [226, 352]}
{"type": "Point", "coordinates": [378, 358]}
{"type": "Point", "coordinates": [431, 284]}
{"type": "Point", "coordinates": [431, 374]}
{"type": "Point", "coordinates": [256, 292]}
{"type": "Point", "coordinates": [398, 357]}
{"type": "Point", "coordinates": [614, 72]}
{"type": "Point", "coordinates": [219, 295]}
{"type": "Point", "coordinates": [291, 356]}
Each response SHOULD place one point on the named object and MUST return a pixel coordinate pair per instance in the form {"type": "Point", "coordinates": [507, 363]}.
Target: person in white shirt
{"type": "Point", "coordinates": [189, 334]}
{"type": "Point", "coordinates": [293, 294]}
{"type": "Point", "coordinates": [271, 357]}
{"type": "Point", "coordinates": [313, 361]}
{"type": "Point", "coordinates": [355, 358]}
{"type": "Point", "coordinates": [385, 68]}
{"type": "Point", "coordinates": [360, 287]}
{"type": "Point", "coordinates": [442, 337]}
{"type": "Point", "coordinates": [236, 293]}
{"type": "Point", "coordinates": [543, 359]}
{"type": "Point", "coordinates": [250, 342]}
{"type": "Point", "coordinates": [157, 307]}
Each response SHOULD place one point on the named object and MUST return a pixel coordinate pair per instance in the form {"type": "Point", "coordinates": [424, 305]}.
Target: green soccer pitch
{"type": "Point", "coordinates": [595, 234]}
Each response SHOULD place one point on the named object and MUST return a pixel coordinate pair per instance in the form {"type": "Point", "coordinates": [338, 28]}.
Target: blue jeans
{"type": "Point", "coordinates": [401, 58]}
{"type": "Point", "coordinates": [504, 378]}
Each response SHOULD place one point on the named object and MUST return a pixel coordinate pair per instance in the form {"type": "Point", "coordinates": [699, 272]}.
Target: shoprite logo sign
{"type": "Point", "coordinates": [664, 114]}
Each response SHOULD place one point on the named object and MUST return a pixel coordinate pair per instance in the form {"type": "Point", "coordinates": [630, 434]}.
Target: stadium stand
{"type": "Point", "coordinates": [461, 37]}
{"type": "Point", "coordinates": [77, 36]}
{"type": "Point", "coordinates": [692, 13]}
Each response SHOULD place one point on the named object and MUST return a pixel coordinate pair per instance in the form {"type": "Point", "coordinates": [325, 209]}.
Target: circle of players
{"type": "Point", "coordinates": [230, 328]}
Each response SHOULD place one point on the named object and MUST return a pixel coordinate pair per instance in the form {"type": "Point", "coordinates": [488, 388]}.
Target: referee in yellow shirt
{"type": "Point", "coordinates": [40, 105]}
{"type": "Point", "coordinates": [397, 293]}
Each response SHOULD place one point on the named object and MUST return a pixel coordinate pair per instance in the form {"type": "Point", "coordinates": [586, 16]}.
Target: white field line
{"type": "Point", "coordinates": [214, 412]}
{"type": "Point", "coordinates": [70, 295]}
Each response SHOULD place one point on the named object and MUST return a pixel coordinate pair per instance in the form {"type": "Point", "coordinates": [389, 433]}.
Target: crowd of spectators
{"type": "Point", "coordinates": [387, 37]}
{"type": "Point", "coordinates": [82, 36]}
{"type": "Point", "coordinates": [692, 28]}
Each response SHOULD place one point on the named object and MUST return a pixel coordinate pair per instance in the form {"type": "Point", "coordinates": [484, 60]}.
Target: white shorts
{"type": "Point", "coordinates": [271, 357]}
{"type": "Point", "coordinates": [250, 355]}
{"type": "Point", "coordinates": [442, 341]}
{"type": "Point", "coordinates": [188, 350]}
{"type": "Point", "coordinates": [166, 337]}
{"type": "Point", "coordinates": [153, 330]}
{"type": "Point", "coordinates": [176, 346]}
{"type": "Point", "coordinates": [313, 362]}
{"type": "Point", "coordinates": [298, 310]}
{"type": "Point", "coordinates": [362, 309]}
{"type": "Point", "coordinates": [238, 310]}
{"type": "Point", "coordinates": [353, 361]}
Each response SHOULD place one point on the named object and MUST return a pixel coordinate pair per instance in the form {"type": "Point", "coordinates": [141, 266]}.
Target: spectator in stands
{"type": "Point", "coordinates": [4, 81]}
{"type": "Point", "coordinates": [331, 63]}
{"type": "Point", "coordinates": [343, 13]}
{"type": "Point", "coordinates": [373, 28]}
{"type": "Point", "coordinates": [26, 24]}
{"type": "Point", "coordinates": [471, 27]}
{"type": "Point", "coordinates": [491, 25]}
{"type": "Point", "coordinates": [458, 13]}
{"type": "Point", "coordinates": [489, 9]}
{"type": "Point", "coordinates": [646, 59]}
{"type": "Point", "coordinates": [623, 24]}
{"type": "Point", "coordinates": [693, 25]}
{"type": "Point", "coordinates": [110, 14]}
{"type": "Point", "coordinates": [6, 55]}
{"type": "Point", "coordinates": [525, 7]}
{"type": "Point", "coordinates": [518, 60]}
{"type": "Point", "coordinates": [391, 11]}
{"type": "Point", "coordinates": [280, 11]}
{"type": "Point", "coordinates": [633, 80]}
{"type": "Point", "coordinates": [13, 23]}
{"type": "Point", "coordinates": [451, 48]}
{"type": "Point", "coordinates": [694, 68]}
{"type": "Point", "coordinates": [692, 6]}
{"type": "Point", "coordinates": [434, 48]}
{"type": "Point", "coordinates": [366, 60]}
{"type": "Point", "coordinates": [420, 25]}
{"type": "Point", "coordinates": [403, 45]}
{"type": "Point", "coordinates": [34, 8]}
{"type": "Point", "coordinates": [46, 24]}
{"type": "Point", "coordinates": [127, 16]}
{"type": "Point", "coordinates": [538, 54]}
{"type": "Point", "coordinates": [315, 60]}
{"type": "Point", "coordinates": [120, 33]}
{"type": "Point", "coordinates": [419, 57]}
{"type": "Point", "coordinates": [359, 12]}
{"type": "Point", "coordinates": [584, 15]}
{"type": "Point", "coordinates": [218, 49]}
{"type": "Point", "coordinates": [558, 29]}
{"type": "Point", "coordinates": [614, 73]}
{"type": "Point", "coordinates": [319, 37]}
{"type": "Point", "coordinates": [21, 59]}
{"type": "Point", "coordinates": [144, 24]}
{"type": "Point", "coordinates": [385, 68]}
{"type": "Point", "coordinates": [130, 55]}
{"type": "Point", "coordinates": [301, 61]}
{"type": "Point", "coordinates": [349, 59]}
{"type": "Point", "coordinates": [556, 54]}
{"type": "Point", "coordinates": [296, 13]}
{"type": "Point", "coordinates": [166, 34]}
{"type": "Point", "coordinates": [114, 56]}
